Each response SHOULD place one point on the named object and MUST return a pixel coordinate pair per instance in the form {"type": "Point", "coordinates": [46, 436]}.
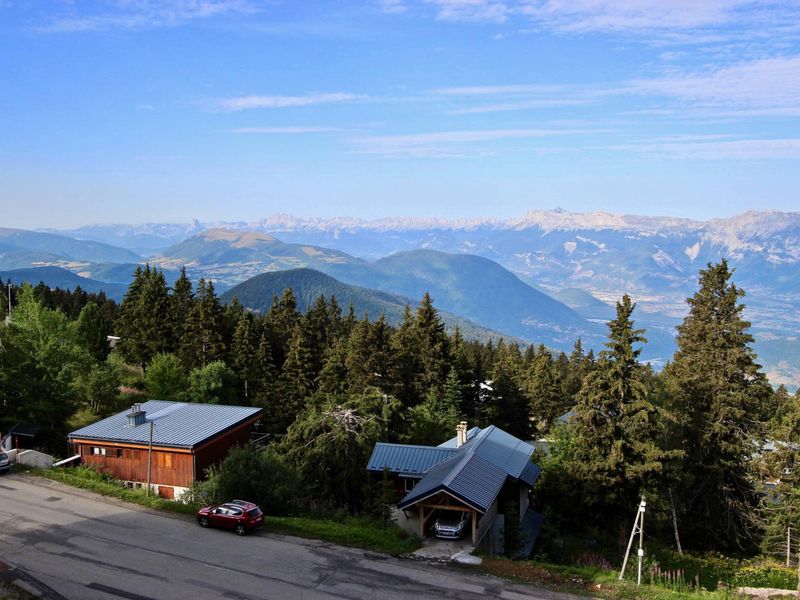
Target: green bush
{"type": "Point", "coordinates": [765, 574]}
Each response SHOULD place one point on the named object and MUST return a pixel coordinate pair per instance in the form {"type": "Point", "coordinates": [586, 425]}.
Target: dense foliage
{"type": "Point", "coordinates": [702, 437]}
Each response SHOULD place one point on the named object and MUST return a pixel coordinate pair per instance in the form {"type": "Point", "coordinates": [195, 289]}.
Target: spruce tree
{"type": "Point", "coordinates": [719, 393]}
{"type": "Point", "coordinates": [203, 342]}
{"type": "Point", "coordinates": [506, 405]}
{"type": "Point", "coordinates": [544, 391]}
{"type": "Point", "coordinates": [618, 429]}
{"type": "Point", "coordinates": [243, 354]}
{"type": "Point", "coordinates": [180, 305]}
{"type": "Point", "coordinates": [432, 346]}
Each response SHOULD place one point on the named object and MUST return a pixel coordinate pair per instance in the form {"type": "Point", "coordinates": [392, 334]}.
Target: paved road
{"type": "Point", "coordinates": [85, 546]}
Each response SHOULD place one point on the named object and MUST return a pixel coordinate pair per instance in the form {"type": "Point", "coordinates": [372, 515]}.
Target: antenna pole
{"type": "Point", "coordinates": [638, 527]}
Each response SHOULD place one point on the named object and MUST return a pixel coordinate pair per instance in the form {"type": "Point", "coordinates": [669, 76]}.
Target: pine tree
{"type": "Point", "coordinates": [543, 388]}
{"type": "Point", "coordinates": [143, 323]}
{"type": "Point", "coordinates": [719, 393]}
{"type": "Point", "coordinates": [281, 319]}
{"type": "Point", "coordinates": [618, 430]}
{"type": "Point", "coordinates": [243, 354]}
{"type": "Point", "coordinates": [432, 346]}
{"type": "Point", "coordinates": [203, 342]}
{"type": "Point", "coordinates": [180, 305]}
{"type": "Point", "coordinates": [369, 356]}
{"type": "Point", "coordinates": [506, 405]}
{"type": "Point", "coordinates": [297, 381]}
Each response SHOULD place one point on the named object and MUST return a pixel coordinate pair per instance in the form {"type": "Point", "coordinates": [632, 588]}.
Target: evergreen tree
{"type": "Point", "coordinates": [180, 305]}
{"type": "Point", "coordinates": [202, 342]}
{"type": "Point", "coordinates": [281, 320]}
{"type": "Point", "coordinates": [507, 406]}
{"type": "Point", "coordinates": [543, 388]}
{"type": "Point", "coordinates": [719, 393]}
{"type": "Point", "coordinates": [298, 379]}
{"type": "Point", "coordinates": [243, 354]}
{"type": "Point", "coordinates": [433, 421]}
{"type": "Point", "coordinates": [369, 356]}
{"type": "Point", "coordinates": [432, 346]}
{"type": "Point", "coordinates": [618, 429]}
{"type": "Point", "coordinates": [143, 319]}
{"type": "Point", "coordinates": [406, 363]}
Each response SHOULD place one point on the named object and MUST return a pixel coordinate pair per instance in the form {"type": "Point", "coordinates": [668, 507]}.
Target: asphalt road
{"type": "Point", "coordinates": [85, 546]}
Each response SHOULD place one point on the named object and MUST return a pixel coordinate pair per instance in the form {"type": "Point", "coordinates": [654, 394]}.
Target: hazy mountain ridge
{"type": "Point", "coordinates": [307, 284]}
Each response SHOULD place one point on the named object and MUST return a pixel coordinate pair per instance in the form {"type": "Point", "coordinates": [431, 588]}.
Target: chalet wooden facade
{"type": "Point", "coordinates": [186, 439]}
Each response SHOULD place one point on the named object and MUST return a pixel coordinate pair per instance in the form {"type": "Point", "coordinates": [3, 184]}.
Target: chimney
{"type": "Point", "coordinates": [461, 434]}
{"type": "Point", "coordinates": [137, 416]}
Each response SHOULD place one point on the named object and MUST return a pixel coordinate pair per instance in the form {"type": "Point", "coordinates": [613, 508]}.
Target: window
{"type": "Point", "coordinates": [408, 484]}
{"type": "Point", "coordinates": [98, 451]}
{"type": "Point", "coordinates": [119, 452]}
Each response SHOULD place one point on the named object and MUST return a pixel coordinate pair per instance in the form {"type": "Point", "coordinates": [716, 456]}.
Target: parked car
{"type": "Point", "coordinates": [449, 525]}
{"type": "Point", "coordinates": [5, 462]}
{"type": "Point", "coordinates": [239, 515]}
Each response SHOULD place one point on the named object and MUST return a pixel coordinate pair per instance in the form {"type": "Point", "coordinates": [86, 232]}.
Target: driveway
{"type": "Point", "coordinates": [85, 546]}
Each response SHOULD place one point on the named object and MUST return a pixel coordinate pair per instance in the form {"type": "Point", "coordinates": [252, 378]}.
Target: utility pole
{"type": "Point", "coordinates": [638, 527]}
{"type": "Point", "coordinates": [149, 458]}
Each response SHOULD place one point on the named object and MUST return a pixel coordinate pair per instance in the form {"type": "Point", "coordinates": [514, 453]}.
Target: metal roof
{"type": "Point", "coordinates": [407, 460]}
{"type": "Point", "coordinates": [453, 442]}
{"type": "Point", "coordinates": [175, 424]}
{"type": "Point", "coordinates": [466, 476]}
{"type": "Point", "coordinates": [502, 449]}
{"type": "Point", "coordinates": [477, 470]}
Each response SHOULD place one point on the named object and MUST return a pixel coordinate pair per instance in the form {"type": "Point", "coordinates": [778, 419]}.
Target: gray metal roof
{"type": "Point", "coordinates": [502, 449]}
{"type": "Point", "coordinates": [466, 476]}
{"type": "Point", "coordinates": [453, 441]}
{"type": "Point", "coordinates": [477, 470]}
{"type": "Point", "coordinates": [407, 460]}
{"type": "Point", "coordinates": [175, 424]}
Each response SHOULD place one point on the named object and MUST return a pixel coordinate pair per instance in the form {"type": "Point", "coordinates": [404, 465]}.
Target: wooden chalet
{"type": "Point", "coordinates": [179, 440]}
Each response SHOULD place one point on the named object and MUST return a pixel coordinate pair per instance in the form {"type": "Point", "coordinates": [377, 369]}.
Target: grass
{"type": "Point", "coordinates": [591, 581]}
{"type": "Point", "coordinates": [350, 531]}
{"type": "Point", "coordinates": [10, 591]}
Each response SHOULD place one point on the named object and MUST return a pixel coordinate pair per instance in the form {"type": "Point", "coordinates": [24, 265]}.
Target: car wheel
{"type": "Point", "coordinates": [240, 530]}
{"type": "Point", "coordinates": [203, 521]}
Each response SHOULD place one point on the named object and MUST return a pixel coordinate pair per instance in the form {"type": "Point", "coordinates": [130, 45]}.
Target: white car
{"type": "Point", "coordinates": [5, 463]}
{"type": "Point", "coordinates": [450, 524]}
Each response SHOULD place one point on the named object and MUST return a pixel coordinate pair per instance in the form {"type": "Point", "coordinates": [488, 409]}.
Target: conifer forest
{"type": "Point", "coordinates": [700, 439]}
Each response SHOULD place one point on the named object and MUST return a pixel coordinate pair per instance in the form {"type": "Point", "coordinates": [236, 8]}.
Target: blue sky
{"type": "Point", "coordinates": [168, 110]}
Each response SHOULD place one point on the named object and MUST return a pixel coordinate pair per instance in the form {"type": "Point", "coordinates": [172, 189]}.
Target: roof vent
{"type": "Point", "coordinates": [137, 416]}
{"type": "Point", "coordinates": [461, 434]}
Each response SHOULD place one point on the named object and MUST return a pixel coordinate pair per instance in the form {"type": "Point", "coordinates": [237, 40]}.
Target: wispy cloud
{"type": "Point", "coordinates": [252, 102]}
{"type": "Point", "coordinates": [745, 149]}
{"type": "Point", "coordinates": [447, 144]}
{"type": "Point", "coordinates": [495, 11]}
{"type": "Point", "coordinates": [147, 14]}
{"type": "Point", "coordinates": [284, 130]}
{"type": "Point", "coordinates": [772, 84]}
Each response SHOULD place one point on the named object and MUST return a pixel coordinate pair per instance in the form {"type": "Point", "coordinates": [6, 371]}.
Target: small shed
{"type": "Point", "coordinates": [175, 441]}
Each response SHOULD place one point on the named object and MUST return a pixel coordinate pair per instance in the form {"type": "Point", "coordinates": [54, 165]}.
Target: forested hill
{"type": "Point", "coordinates": [308, 285]}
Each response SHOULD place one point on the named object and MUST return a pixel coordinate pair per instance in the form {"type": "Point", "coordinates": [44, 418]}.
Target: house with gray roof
{"type": "Point", "coordinates": [166, 445]}
{"type": "Point", "coordinates": [486, 473]}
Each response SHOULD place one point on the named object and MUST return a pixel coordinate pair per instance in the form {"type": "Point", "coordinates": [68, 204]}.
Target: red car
{"type": "Point", "coordinates": [238, 515]}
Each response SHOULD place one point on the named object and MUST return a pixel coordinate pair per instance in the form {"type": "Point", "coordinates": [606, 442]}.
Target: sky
{"type": "Point", "coordinates": [132, 111]}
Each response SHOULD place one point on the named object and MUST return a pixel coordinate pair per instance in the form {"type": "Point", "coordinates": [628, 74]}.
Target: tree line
{"type": "Point", "coordinates": [692, 438]}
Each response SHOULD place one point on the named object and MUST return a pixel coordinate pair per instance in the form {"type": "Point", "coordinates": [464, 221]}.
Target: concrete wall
{"type": "Point", "coordinates": [34, 458]}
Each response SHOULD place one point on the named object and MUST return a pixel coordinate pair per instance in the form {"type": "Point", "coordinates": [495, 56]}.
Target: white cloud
{"type": "Point", "coordinates": [443, 144]}
{"type": "Point", "coordinates": [772, 83]}
{"type": "Point", "coordinates": [494, 11]}
{"type": "Point", "coordinates": [252, 102]}
{"type": "Point", "coordinates": [395, 7]}
{"type": "Point", "coordinates": [148, 14]}
{"type": "Point", "coordinates": [745, 149]}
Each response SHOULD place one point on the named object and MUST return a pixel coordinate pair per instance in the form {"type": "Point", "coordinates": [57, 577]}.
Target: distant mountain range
{"type": "Point", "coordinates": [586, 261]}
{"type": "Point", "coordinates": [307, 284]}
{"type": "Point", "coordinates": [57, 277]}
